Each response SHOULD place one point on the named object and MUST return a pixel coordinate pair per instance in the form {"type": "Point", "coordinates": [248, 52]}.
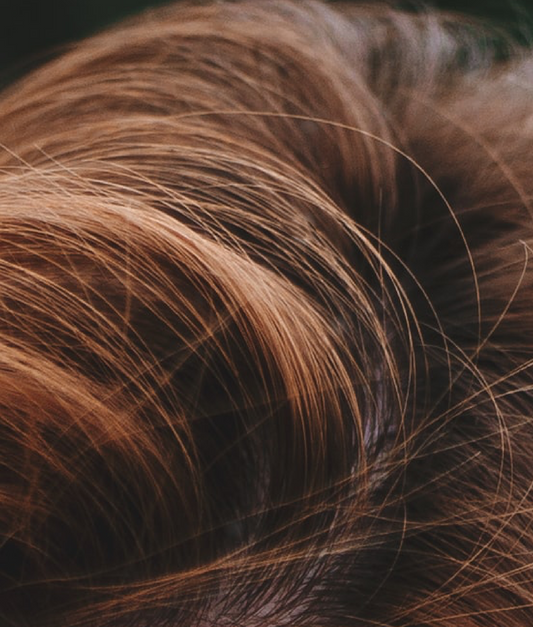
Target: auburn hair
{"type": "Point", "coordinates": [266, 324]}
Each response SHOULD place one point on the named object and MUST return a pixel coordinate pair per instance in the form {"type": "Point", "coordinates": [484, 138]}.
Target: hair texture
{"type": "Point", "coordinates": [266, 324]}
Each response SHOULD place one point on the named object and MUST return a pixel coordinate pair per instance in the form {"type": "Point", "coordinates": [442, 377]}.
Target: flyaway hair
{"type": "Point", "coordinates": [266, 324]}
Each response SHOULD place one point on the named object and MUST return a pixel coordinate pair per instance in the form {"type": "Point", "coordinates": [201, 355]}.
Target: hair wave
{"type": "Point", "coordinates": [266, 332]}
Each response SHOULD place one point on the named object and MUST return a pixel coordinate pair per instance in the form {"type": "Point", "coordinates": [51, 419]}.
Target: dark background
{"type": "Point", "coordinates": [33, 30]}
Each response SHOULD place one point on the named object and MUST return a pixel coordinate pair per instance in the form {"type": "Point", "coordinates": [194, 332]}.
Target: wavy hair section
{"type": "Point", "coordinates": [266, 332]}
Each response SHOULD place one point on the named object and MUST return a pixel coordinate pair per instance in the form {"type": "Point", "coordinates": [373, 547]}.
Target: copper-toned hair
{"type": "Point", "coordinates": [266, 324]}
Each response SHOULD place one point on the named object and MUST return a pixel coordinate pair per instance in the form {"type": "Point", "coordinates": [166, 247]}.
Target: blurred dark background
{"type": "Point", "coordinates": [33, 30]}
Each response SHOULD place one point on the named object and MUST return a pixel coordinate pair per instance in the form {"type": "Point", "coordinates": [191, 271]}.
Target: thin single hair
{"type": "Point", "coordinates": [266, 323]}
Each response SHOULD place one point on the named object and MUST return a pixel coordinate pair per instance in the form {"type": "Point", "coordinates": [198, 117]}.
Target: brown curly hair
{"type": "Point", "coordinates": [266, 324]}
